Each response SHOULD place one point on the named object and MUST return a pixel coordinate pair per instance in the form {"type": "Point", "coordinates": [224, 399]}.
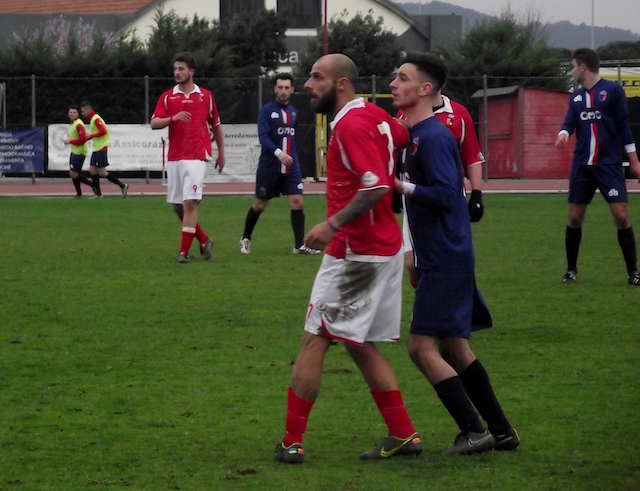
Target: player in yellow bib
{"type": "Point", "coordinates": [99, 135]}
{"type": "Point", "coordinates": [78, 141]}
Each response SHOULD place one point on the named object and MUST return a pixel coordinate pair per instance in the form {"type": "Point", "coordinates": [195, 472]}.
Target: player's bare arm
{"type": "Point", "coordinates": [362, 202]}
{"type": "Point", "coordinates": [219, 138]}
{"type": "Point", "coordinates": [634, 163]}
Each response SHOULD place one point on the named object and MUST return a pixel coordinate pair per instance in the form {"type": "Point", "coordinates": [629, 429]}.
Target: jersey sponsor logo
{"type": "Point", "coordinates": [369, 179]}
{"type": "Point", "coordinates": [274, 115]}
{"type": "Point", "coordinates": [414, 146]}
{"type": "Point", "coordinates": [590, 115]}
{"type": "Point", "coordinates": [602, 95]}
{"type": "Point", "coordinates": [286, 131]}
{"type": "Point", "coordinates": [578, 98]}
{"type": "Point", "coordinates": [613, 192]}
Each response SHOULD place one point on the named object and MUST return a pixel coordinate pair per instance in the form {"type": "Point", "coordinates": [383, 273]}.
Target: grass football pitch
{"type": "Point", "coordinates": [122, 369]}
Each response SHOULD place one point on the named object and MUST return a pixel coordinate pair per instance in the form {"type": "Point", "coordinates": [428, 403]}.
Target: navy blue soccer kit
{"type": "Point", "coordinates": [277, 133]}
{"type": "Point", "coordinates": [447, 301]}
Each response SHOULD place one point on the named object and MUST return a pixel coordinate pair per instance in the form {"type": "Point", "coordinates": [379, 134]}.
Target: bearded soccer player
{"type": "Point", "coordinates": [279, 168]}
{"type": "Point", "coordinates": [189, 111]}
{"type": "Point", "coordinates": [356, 297]}
{"type": "Point", "coordinates": [78, 141]}
{"type": "Point", "coordinates": [99, 136]}
{"type": "Point", "coordinates": [446, 294]}
{"type": "Point", "coordinates": [599, 116]}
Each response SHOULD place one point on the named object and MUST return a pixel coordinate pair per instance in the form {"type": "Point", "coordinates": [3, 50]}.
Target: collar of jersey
{"type": "Point", "coordinates": [354, 104]}
{"type": "Point", "coordinates": [196, 90]}
{"type": "Point", "coordinates": [446, 107]}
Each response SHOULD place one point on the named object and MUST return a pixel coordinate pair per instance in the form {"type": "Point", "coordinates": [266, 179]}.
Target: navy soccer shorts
{"type": "Point", "coordinates": [99, 158]}
{"type": "Point", "coordinates": [271, 183]}
{"type": "Point", "coordinates": [76, 162]}
{"type": "Point", "coordinates": [585, 179]}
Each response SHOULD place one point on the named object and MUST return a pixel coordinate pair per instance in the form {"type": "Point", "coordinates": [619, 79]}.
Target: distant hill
{"type": "Point", "coordinates": [559, 34]}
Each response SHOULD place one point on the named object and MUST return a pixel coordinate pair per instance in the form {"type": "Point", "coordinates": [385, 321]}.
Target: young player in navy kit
{"type": "Point", "coordinates": [446, 294]}
{"type": "Point", "coordinates": [599, 116]}
{"type": "Point", "coordinates": [279, 168]}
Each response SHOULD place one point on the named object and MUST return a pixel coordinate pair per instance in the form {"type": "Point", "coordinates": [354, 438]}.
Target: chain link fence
{"type": "Point", "coordinates": [39, 101]}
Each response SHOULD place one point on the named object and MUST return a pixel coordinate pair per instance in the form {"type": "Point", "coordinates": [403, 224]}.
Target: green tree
{"type": "Point", "coordinates": [620, 50]}
{"type": "Point", "coordinates": [509, 51]}
{"type": "Point", "coordinates": [374, 50]}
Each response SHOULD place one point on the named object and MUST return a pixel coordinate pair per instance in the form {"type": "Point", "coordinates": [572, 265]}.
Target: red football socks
{"type": "Point", "coordinates": [298, 410]}
{"type": "Point", "coordinates": [188, 234]}
{"type": "Point", "coordinates": [394, 413]}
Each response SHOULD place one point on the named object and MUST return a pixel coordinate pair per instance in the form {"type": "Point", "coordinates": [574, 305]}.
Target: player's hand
{"type": "Point", "coordinates": [319, 236]}
{"type": "Point", "coordinates": [65, 141]}
{"type": "Point", "coordinates": [220, 161]}
{"type": "Point", "coordinates": [476, 208]}
{"type": "Point", "coordinates": [285, 158]}
{"type": "Point", "coordinates": [561, 141]}
{"type": "Point", "coordinates": [635, 167]}
{"type": "Point", "coordinates": [397, 186]}
{"type": "Point", "coordinates": [184, 116]}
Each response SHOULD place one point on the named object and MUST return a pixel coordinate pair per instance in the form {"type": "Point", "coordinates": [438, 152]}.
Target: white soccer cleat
{"type": "Point", "coordinates": [306, 250]}
{"type": "Point", "coordinates": [245, 246]}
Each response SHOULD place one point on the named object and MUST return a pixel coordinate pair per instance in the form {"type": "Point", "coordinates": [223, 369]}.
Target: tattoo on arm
{"type": "Point", "coordinates": [361, 203]}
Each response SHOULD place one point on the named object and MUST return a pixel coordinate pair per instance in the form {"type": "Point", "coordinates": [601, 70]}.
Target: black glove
{"type": "Point", "coordinates": [476, 208]}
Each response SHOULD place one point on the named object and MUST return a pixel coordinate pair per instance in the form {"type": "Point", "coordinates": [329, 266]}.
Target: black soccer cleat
{"type": "Point", "coordinates": [393, 447]}
{"type": "Point", "coordinates": [570, 277]}
{"type": "Point", "coordinates": [471, 443]}
{"type": "Point", "coordinates": [184, 258]}
{"type": "Point", "coordinates": [506, 442]}
{"type": "Point", "coordinates": [293, 454]}
{"type": "Point", "coordinates": [634, 278]}
{"type": "Point", "coordinates": [205, 250]}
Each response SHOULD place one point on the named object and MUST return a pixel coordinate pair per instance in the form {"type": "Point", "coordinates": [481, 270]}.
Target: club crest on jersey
{"type": "Point", "coordinates": [602, 95]}
{"type": "Point", "coordinates": [449, 120]}
{"type": "Point", "coordinates": [201, 97]}
{"type": "Point", "coordinates": [414, 146]}
{"type": "Point", "coordinates": [369, 179]}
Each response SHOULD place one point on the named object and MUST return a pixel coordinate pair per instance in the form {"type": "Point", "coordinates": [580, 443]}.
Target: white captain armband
{"type": "Point", "coordinates": [277, 152]}
{"type": "Point", "coordinates": [630, 148]}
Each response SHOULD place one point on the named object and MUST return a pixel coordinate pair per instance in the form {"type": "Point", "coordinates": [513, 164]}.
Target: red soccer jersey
{"type": "Point", "coordinates": [360, 157]}
{"type": "Point", "coordinates": [456, 117]}
{"type": "Point", "coordinates": [189, 140]}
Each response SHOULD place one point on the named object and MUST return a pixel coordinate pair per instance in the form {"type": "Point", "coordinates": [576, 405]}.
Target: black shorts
{"type": "Point", "coordinates": [585, 179]}
{"type": "Point", "coordinates": [99, 158]}
{"type": "Point", "coordinates": [76, 162]}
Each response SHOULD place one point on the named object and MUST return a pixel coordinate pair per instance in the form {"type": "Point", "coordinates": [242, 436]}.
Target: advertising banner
{"type": "Point", "coordinates": [137, 147]}
{"type": "Point", "coordinates": [131, 147]}
{"type": "Point", "coordinates": [22, 150]}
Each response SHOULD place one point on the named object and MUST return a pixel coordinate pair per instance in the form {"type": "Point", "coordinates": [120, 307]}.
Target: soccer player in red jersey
{"type": "Point", "coordinates": [189, 111]}
{"type": "Point", "coordinates": [78, 141]}
{"type": "Point", "coordinates": [356, 296]}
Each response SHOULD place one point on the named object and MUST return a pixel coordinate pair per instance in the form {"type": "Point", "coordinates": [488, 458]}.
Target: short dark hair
{"type": "Point", "coordinates": [86, 103]}
{"type": "Point", "coordinates": [187, 58]}
{"type": "Point", "coordinates": [588, 57]}
{"type": "Point", "coordinates": [73, 106]}
{"type": "Point", "coordinates": [282, 76]}
{"type": "Point", "coordinates": [431, 66]}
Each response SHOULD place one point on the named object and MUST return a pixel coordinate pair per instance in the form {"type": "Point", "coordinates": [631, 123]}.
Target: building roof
{"type": "Point", "coordinates": [55, 7]}
{"type": "Point", "coordinates": [496, 92]}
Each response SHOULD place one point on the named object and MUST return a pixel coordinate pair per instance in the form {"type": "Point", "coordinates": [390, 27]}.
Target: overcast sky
{"type": "Point", "coordinates": [624, 14]}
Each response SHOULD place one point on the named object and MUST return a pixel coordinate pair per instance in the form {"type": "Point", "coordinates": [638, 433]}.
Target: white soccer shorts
{"type": "Point", "coordinates": [356, 301]}
{"type": "Point", "coordinates": [185, 180]}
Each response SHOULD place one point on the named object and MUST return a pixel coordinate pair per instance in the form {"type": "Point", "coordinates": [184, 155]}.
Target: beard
{"type": "Point", "coordinates": [325, 103]}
